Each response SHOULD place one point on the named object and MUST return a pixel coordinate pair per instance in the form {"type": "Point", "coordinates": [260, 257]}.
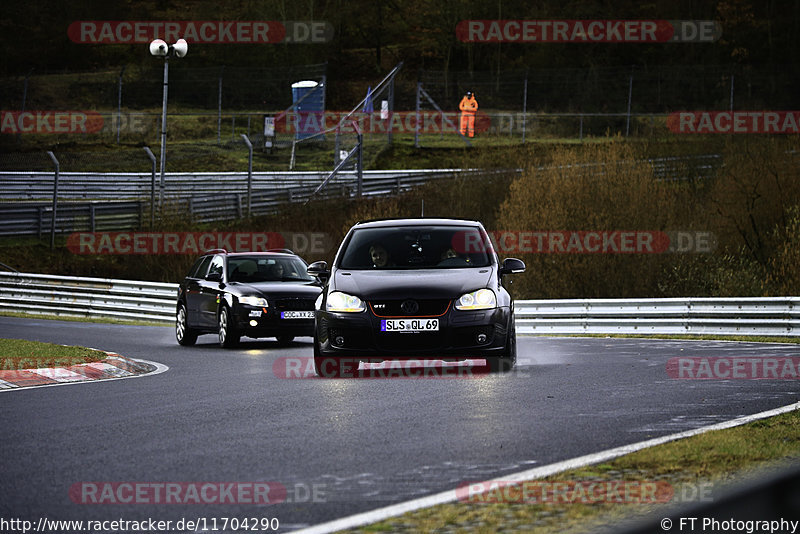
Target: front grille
{"type": "Point", "coordinates": [394, 307]}
{"type": "Point", "coordinates": [409, 341]}
{"type": "Point", "coordinates": [294, 304]}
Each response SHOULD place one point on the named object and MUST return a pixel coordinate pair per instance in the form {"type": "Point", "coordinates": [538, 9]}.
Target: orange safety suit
{"type": "Point", "coordinates": [468, 107]}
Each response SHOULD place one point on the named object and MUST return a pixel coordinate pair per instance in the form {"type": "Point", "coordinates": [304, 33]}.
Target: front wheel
{"type": "Point", "coordinates": [185, 335]}
{"type": "Point", "coordinates": [506, 362]}
{"type": "Point", "coordinates": [325, 366]}
{"type": "Point", "coordinates": [228, 337]}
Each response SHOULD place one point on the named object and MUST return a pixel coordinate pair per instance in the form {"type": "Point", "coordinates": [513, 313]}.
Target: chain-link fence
{"type": "Point", "coordinates": [210, 108]}
{"type": "Point", "coordinates": [574, 103]}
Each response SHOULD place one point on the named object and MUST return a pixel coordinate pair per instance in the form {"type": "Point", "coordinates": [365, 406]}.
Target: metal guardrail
{"type": "Point", "coordinates": [151, 301]}
{"type": "Point", "coordinates": [750, 316]}
{"type": "Point", "coordinates": [35, 185]}
{"type": "Point", "coordinates": [42, 294]}
{"type": "Point", "coordinates": [33, 218]}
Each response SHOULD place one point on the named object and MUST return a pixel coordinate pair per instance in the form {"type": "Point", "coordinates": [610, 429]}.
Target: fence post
{"type": "Point", "coordinates": [732, 77]}
{"type": "Point", "coordinates": [360, 164]}
{"type": "Point", "coordinates": [249, 173]}
{"type": "Point", "coordinates": [153, 187]}
{"type": "Point", "coordinates": [390, 135]}
{"type": "Point", "coordinates": [336, 147]}
{"type": "Point", "coordinates": [119, 101]}
{"type": "Point", "coordinates": [24, 98]}
{"type": "Point", "coordinates": [219, 106]}
{"type": "Point", "coordinates": [416, 125]}
{"type": "Point", "coordinates": [55, 200]}
{"type": "Point", "coordinates": [524, 107]}
{"type": "Point", "coordinates": [630, 95]}
{"type": "Point", "coordinates": [91, 217]}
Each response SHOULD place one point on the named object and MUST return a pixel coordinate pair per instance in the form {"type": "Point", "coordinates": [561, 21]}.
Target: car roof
{"type": "Point", "coordinates": [277, 253]}
{"type": "Point", "coordinates": [427, 221]}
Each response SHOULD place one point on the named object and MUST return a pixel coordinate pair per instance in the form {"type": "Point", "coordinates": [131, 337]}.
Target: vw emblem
{"type": "Point", "coordinates": [410, 307]}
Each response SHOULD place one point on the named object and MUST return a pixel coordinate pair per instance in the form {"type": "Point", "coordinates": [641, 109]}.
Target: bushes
{"type": "Point", "coordinates": [747, 206]}
{"type": "Point", "coordinates": [751, 206]}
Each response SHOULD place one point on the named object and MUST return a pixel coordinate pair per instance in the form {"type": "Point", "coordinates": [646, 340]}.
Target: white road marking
{"type": "Point", "coordinates": [448, 496]}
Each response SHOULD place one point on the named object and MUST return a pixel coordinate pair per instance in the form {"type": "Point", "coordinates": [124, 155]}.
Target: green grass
{"type": "Point", "coordinates": [18, 354]}
{"type": "Point", "coordinates": [687, 467]}
{"type": "Point", "coordinates": [698, 337]}
{"type": "Point", "coordinates": [77, 319]}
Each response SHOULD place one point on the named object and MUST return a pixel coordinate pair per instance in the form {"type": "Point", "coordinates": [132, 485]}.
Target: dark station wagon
{"type": "Point", "coordinates": [253, 294]}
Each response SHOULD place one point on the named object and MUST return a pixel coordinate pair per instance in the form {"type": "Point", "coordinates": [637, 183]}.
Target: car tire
{"type": "Point", "coordinates": [186, 336]}
{"type": "Point", "coordinates": [284, 340]}
{"type": "Point", "coordinates": [228, 336]}
{"type": "Point", "coordinates": [506, 362]}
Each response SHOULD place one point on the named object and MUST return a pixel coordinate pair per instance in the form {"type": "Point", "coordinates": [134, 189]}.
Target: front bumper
{"type": "Point", "coordinates": [461, 335]}
{"type": "Point", "coordinates": [270, 323]}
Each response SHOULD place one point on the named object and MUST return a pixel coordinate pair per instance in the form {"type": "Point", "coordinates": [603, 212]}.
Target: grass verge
{"type": "Point", "coordinates": [691, 470]}
{"type": "Point", "coordinates": [690, 337]}
{"type": "Point", "coordinates": [16, 354]}
{"type": "Point", "coordinates": [103, 320]}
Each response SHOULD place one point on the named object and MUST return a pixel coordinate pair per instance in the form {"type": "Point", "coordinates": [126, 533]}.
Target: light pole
{"type": "Point", "coordinates": [160, 48]}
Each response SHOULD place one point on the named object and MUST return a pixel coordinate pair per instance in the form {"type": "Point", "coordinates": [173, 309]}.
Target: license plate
{"type": "Point", "coordinates": [297, 315]}
{"type": "Point", "coordinates": [409, 325]}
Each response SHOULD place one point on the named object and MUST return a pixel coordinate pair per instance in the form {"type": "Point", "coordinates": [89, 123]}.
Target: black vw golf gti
{"type": "Point", "coordinates": [412, 289]}
{"type": "Point", "coordinates": [254, 294]}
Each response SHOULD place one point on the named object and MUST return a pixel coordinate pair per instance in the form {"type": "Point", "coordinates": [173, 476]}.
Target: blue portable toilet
{"type": "Point", "coordinates": [308, 98]}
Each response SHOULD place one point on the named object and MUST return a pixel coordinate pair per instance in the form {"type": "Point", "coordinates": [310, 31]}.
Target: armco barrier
{"type": "Point", "coordinates": [43, 294]}
{"type": "Point", "coordinates": [151, 301]}
{"type": "Point", "coordinates": [752, 316]}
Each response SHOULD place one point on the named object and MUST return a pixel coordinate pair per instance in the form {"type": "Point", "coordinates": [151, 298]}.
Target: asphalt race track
{"type": "Point", "coordinates": [224, 416]}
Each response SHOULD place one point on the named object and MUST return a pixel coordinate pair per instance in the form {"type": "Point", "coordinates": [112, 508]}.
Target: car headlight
{"type": "Point", "coordinates": [258, 302]}
{"type": "Point", "coordinates": [482, 299]}
{"type": "Point", "coordinates": [342, 302]}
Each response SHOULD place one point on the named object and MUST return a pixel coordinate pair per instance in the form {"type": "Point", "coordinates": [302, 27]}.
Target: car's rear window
{"type": "Point", "coordinates": [256, 268]}
{"type": "Point", "coordinates": [417, 247]}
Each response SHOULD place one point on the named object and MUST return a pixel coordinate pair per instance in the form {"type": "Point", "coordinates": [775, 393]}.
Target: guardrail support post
{"type": "Point", "coordinates": [249, 174]}
{"type": "Point", "coordinates": [360, 165]}
{"type": "Point", "coordinates": [55, 200]}
{"type": "Point", "coordinates": [152, 186]}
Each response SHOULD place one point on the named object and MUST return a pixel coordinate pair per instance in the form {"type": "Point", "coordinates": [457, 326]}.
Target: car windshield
{"type": "Point", "coordinates": [249, 269]}
{"type": "Point", "coordinates": [417, 247]}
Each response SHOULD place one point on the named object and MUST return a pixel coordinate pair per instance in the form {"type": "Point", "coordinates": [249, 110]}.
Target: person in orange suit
{"type": "Point", "coordinates": [468, 107]}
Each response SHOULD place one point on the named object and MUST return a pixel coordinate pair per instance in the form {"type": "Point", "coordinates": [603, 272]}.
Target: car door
{"type": "Point", "coordinates": [210, 291]}
{"type": "Point", "coordinates": [192, 285]}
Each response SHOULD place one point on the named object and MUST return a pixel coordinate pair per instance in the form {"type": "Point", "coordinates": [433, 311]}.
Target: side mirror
{"type": "Point", "coordinates": [319, 269]}
{"type": "Point", "coordinates": [512, 266]}
{"type": "Point", "coordinates": [214, 277]}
